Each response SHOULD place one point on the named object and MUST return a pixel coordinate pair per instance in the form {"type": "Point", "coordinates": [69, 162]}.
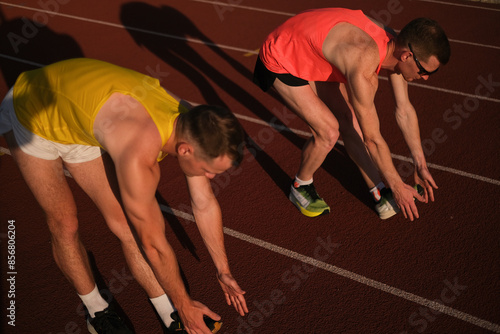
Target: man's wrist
{"type": "Point", "coordinates": [180, 300]}
{"type": "Point", "coordinates": [419, 160]}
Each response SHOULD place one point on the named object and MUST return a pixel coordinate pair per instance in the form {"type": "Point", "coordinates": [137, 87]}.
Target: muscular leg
{"type": "Point", "coordinates": [324, 126]}
{"type": "Point", "coordinates": [335, 97]}
{"type": "Point", "coordinates": [46, 180]}
{"type": "Point", "coordinates": [101, 186]}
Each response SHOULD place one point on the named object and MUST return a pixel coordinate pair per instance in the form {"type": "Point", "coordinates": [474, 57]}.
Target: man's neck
{"type": "Point", "coordinates": [170, 146]}
{"type": "Point", "coordinates": [391, 59]}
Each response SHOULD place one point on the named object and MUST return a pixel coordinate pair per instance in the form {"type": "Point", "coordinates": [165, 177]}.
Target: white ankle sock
{"type": "Point", "coordinates": [94, 302]}
{"type": "Point", "coordinates": [164, 307]}
{"type": "Point", "coordinates": [298, 182]}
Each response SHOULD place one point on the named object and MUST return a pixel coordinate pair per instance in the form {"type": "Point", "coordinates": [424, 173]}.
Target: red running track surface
{"type": "Point", "coordinates": [347, 272]}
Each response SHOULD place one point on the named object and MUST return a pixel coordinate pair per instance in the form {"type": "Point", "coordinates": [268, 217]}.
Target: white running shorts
{"type": "Point", "coordinates": [37, 146]}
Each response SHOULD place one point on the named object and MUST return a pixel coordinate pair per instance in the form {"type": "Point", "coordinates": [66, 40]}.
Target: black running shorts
{"type": "Point", "coordinates": [264, 78]}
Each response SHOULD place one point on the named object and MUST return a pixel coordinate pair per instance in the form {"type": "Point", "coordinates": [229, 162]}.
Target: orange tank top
{"type": "Point", "coordinates": [295, 47]}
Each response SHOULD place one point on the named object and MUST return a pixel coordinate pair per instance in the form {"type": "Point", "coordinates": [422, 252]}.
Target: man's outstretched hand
{"type": "Point", "coordinates": [233, 293]}
{"type": "Point", "coordinates": [424, 178]}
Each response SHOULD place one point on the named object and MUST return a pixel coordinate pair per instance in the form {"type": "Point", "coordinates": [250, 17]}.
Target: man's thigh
{"type": "Point", "coordinates": [98, 180]}
{"type": "Point", "coordinates": [336, 97]}
{"type": "Point", "coordinates": [47, 182]}
{"type": "Point", "coordinates": [304, 101]}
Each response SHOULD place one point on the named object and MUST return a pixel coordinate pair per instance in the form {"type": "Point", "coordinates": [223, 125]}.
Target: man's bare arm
{"type": "Point", "coordinates": [407, 120]}
{"type": "Point", "coordinates": [359, 64]}
{"type": "Point", "coordinates": [134, 144]}
{"type": "Point", "coordinates": [208, 218]}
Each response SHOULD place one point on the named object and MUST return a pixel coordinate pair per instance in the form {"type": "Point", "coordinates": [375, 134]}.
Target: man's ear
{"type": "Point", "coordinates": [405, 55]}
{"type": "Point", "coordinates": [184, 149]}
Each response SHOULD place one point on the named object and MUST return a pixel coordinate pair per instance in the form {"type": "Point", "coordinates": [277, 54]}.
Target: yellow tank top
{"type": "Point", "coordinates": [59, 102]}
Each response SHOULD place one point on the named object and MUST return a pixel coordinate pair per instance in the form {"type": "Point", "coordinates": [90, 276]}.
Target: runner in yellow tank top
{"type": "Point", "coordinates": [48, 101]}
{"type": "Point", "coordinates": [59, 112]}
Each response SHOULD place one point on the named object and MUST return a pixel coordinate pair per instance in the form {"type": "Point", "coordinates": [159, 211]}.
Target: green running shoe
{"type": "Point", "coordinates": [307, 200]}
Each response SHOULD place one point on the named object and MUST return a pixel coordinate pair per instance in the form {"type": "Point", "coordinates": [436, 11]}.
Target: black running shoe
{"type": "Point", "coordinates": [107, 322]}
{"type": "Point", "coordinates": [178, 328]}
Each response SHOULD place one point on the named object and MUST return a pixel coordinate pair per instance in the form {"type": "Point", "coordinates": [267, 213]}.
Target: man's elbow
{"type": "Point", "coordinates": [151, 251]}
{"type": "Point", "coordinates": [372, 144]}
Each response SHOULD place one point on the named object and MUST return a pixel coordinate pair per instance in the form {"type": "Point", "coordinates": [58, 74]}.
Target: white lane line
{"type": "Point", "coordinates": [348, 274]}
{"type": "Point", "coordinates": [19, 60]}
{"type": "Point", "coordinates": [461, 5]}
{"type": "Point", "coordinates": [366, 281]}
{"type": "Point", "coordinates": [274, 126]}
{"type": "Point", "coordinates": [227, 4]}
{"type": "Point", "coordinates": [475, 44]}
{"type": "Point", "coordinates": [449, 91]}
{"type": "Point", "coordinates": [449, 170]}
{"type": "Point", "coordinates": [4, 150]}
{"type": "Point", "coordinates": [255, 9]}
{"type": "Point", "coordinates": [394, 156]}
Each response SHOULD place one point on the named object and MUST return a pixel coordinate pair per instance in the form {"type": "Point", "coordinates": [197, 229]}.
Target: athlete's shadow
{"type": "Point", "coordinates": [176, 51]}
{"type": "Point", "coordinates": [27, 44]}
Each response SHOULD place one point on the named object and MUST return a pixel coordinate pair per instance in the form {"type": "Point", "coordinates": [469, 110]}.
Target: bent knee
{"type": "Point", "coordinates": [63, 227]}
{"type": "Point", "coordinates": [327, 138]}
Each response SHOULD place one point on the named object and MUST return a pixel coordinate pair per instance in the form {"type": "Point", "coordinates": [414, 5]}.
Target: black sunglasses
{"type": "Point", "coordinates": [422, 71]}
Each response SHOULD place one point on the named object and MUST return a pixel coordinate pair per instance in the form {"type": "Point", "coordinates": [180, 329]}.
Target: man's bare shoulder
{"type": "Point", "coordinates": [347, 46]}
{"type": "Point", "coordinates": [123, 123]}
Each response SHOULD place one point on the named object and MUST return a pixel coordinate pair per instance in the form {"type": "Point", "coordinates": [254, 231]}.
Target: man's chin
{"type": "Point", "coordinates": [407, 79]}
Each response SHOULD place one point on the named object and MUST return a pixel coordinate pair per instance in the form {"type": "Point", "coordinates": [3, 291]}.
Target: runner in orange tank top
{"type": "Point", "coordinates": [326, 62]}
